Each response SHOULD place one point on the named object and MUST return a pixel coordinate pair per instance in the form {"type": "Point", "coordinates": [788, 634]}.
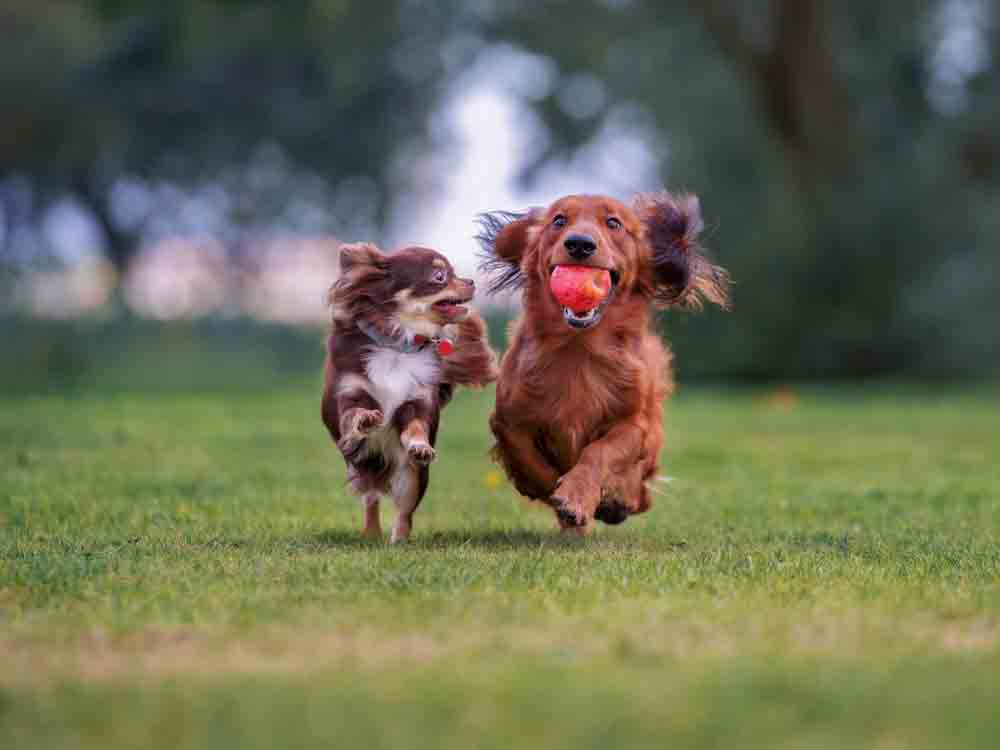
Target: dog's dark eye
{"type": "Point", "coordinates": [439, 277]}
{"type": "Point", "coordinates": [559, 221]}
{"type": "Point", "coordinates": [613, 223]}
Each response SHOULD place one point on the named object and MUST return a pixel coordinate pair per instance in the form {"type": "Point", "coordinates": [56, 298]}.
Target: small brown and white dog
{"type": "Point", "coordinates": [578, 405]}
{"type": "Point", "coordinates": [403, 338]}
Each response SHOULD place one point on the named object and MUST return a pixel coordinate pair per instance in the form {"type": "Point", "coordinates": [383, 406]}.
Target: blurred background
{"type": "Point", "coordinates": [174, 176]}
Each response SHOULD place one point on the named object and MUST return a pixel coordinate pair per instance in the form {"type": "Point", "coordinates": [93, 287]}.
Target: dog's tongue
{"type": "Point", "coordinates": [580, 288]}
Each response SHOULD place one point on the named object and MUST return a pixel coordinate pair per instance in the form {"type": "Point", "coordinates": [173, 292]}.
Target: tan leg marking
{"type": "Point", "coordinates": [417, 443]}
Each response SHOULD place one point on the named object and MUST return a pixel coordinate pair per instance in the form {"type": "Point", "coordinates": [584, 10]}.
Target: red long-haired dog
{"type": "Point", "coordinates": [579, 399]}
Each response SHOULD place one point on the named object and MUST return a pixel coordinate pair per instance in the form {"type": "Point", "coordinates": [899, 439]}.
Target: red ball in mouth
{"type": "Point", "coordinates": [580, 288]}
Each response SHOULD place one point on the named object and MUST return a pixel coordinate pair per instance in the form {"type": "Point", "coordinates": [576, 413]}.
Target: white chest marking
{"type": "Point", "coordinates": [398, 377]}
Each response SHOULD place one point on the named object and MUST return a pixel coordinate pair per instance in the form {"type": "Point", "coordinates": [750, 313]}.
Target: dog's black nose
{"type": "Point", "coordinates": [580, 246]}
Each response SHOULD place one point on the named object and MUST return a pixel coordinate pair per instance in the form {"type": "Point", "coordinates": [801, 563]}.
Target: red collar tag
{"type": "Point", "coordinates": [445, 347]}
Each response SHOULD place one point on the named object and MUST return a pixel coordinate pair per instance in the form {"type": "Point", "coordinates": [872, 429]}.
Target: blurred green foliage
{"type": "Point", "coordinates": [191, 90]}
{"type": "Point", "coordinates": [125, 354]}
{"type": "Point", "coordinates": [847, 154]}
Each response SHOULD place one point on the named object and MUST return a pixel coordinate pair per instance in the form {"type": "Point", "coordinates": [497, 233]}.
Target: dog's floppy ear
{"type": "Point", "coordinates": [504, 237]}
{"type": "Point", "coordinates": [682, 275]}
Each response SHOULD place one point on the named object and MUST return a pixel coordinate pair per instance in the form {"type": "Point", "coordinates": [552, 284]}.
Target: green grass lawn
{"type": "Point", "coordinates": [184, 570]}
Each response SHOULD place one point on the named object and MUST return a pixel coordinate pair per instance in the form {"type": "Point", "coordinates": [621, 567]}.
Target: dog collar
{"type": "Point", "coordinates": [443, 346]}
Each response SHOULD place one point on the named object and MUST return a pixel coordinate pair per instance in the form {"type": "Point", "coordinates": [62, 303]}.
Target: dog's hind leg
{"type": "Point", "coordinates": [373, 524]}
{"type": "Point", "coordinates": [416, 423]}
{"type": "Point", "coordinates": [408, 486]}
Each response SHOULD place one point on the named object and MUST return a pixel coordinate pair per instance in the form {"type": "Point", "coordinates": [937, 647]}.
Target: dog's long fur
{"type": "Point", "coordinates": [384, 387]}
{"type": "Point", "coordinates": [578, 412]}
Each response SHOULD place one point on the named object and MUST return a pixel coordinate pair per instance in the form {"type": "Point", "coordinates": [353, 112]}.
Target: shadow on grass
{"type": "Point", "coordinates": [346, 539]}
{"type": "Point", "coordinates": [493, 540]}
{"type": "Point", "coordinates": [485, 539]}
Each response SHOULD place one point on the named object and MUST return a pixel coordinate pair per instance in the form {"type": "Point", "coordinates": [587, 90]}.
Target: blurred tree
{"type": "Point", "coordinates": [845, 192]}
{"type": "Point", "coordinates": [847, 153]}
{"type": "Point", "coordinates": [189, 91]}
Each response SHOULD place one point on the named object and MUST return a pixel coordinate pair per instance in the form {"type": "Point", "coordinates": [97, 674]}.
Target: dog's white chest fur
{"type": "Point", "coordinates": [397, 377]}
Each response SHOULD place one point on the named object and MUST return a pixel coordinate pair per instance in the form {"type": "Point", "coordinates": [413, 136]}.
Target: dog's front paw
{"type": "Point", "coordinates": [570, 513]}
{"type": "Point", "coordinates": [367, 420]}
{"type": "Point", "coordinates": [420, 453]}
{"type": "Point", "coordinates": [611, 512]}
{"type": "Point", "coordinates": [359, 424]}
{"type": "Point", "coordinates": [351, 446]}
{"type": "Point", "coordinates": [574, 500]}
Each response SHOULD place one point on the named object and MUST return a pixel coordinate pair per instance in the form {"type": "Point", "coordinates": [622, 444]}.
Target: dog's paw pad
{"type": "Point", "coordinates": [349, 445]}
{"type": "Point", "coordinates": [421, 453]}
{"type": "Point", "coordinates": [569, 513]}
{"type": "Point", "coordinates": [611, 513]}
